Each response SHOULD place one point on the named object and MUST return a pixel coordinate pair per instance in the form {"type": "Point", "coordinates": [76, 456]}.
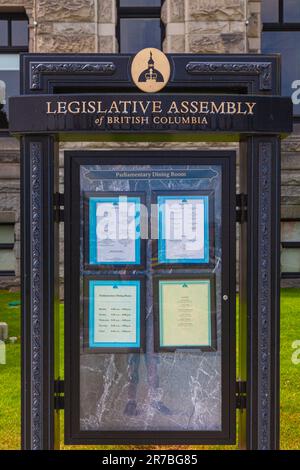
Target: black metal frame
{"type": "Point", "coordinates": [213, 316]}
{"type": "Point", "coordinates": [260, 299]}
{"type": "Point", "coordinates": [73, 160]}
{"type": "Point", "coordinates": [101, 267]}
{"type": "Point", "coordinates": [39, 293]}
{"type": "Point", "coordinates": [260, 234]}
{"type": "Point", "coordinates": [218, 73]}
{"type": "Point", "coordinates": [17, 16]}
{"type": "Point", "coordinates": [186, 193]}
{"type": "Point", "coordinates": [290, 244]}
{"type": "Point", "coordinates": [6, 246]}
{"type": "Point", "coordinates": [280, 25]}
{"type": "Point", "coordinates": [138, 12]}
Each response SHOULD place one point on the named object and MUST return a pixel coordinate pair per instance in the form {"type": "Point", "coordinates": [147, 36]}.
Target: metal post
{"type": "Point", "coordinates": [39, 292]}
{"type": "Point", "coordinates": [260, 293]}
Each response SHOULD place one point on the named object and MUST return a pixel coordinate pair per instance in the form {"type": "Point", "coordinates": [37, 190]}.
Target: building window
{"type": "Point", "coordinates": [7, 254]}
{"type": "Point", "coordinates": [290, 248]}
{"type": "Point", "coordinates": [13, 40]}
{"type": "Point", "coordinates": [281, 34]}
{"type": "Point", "coordinates": [139, 25]}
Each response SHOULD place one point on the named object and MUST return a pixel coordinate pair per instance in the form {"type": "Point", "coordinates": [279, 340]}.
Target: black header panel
{"type": "Point", "coordinates": [98, 113]}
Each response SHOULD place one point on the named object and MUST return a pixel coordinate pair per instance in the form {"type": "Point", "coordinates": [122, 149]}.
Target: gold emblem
{"type": "Point", "coordinates": [150, 70]}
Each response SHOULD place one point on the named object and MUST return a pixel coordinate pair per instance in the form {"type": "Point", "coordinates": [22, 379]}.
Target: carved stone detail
{"type": "Point", "coordinates": [36, 295]}
{"type": "Point", "coordinates": [97, 68]}
{"type": "Point", "coordinates": [263, 69]}
{"type": "Point", "coordinates": [264, 295]}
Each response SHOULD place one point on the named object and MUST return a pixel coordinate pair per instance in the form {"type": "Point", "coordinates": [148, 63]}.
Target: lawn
{"type": "Point", "coordinates": [290, 373]}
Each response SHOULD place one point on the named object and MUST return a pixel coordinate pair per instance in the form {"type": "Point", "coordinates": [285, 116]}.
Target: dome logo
{"type": "Point", "coordinates": [150, 70]}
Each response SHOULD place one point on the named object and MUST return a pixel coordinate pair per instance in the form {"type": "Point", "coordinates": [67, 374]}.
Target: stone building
{"type": "Point", "coordinates": [177, 26]}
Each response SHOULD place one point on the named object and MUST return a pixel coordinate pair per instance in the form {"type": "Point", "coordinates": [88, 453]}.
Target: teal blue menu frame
{"type": "Point", "coordinates": [90, 284]}
{"type": "Point", "coordinates": [92, 239]}
{"type": "Point", "coordinates": [162, 257]}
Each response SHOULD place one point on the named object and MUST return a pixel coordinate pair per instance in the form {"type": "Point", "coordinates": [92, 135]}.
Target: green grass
{"type": "Point", "coordinates": [290, 383]}
{"type": "Point", "coordinates": [289, 372]}
{"type": "Point", "coordinates": [10, 386]}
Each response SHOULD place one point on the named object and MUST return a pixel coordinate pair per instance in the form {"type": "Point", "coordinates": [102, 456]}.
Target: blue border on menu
{"type": "Point", "coordinates": [161, 231]}
{"type": "Point", "coordinates": [93, 201]}
{"type": "Point", "coordinates": [92, 285]}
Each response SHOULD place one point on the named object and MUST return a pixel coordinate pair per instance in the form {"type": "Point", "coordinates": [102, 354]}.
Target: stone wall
{"type": "Point", "coordinates": [206, 26]}
{"type": "Point", "coordinates": [290, 185]}
{"type": "Point", "coordinates": [253, 23]}
{"type": "Point", "coordinates": [69, 26]}
{"type": "Point", "coordinates": [75, 26]}
{"type": "Point", "coordinates": [10, 200]}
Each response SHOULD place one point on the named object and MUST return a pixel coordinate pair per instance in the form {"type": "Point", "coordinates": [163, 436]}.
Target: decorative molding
{"type": "Point", "coordinates": [264, 295]}
{"type": "Point", "coordinates": [36, 295]}
{"type": "Point", "coordinates": [262, 69]}
{"type": "Point", "coordinates": [96, 68]}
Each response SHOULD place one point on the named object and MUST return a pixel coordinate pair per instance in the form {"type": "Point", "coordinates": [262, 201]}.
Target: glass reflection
{"type": "Point", "coordinates": [3, 33]}
{"type": "Point", "coordinates": [19, 33]}
{"type": "Point", "coordinates": [7, 260]}
{"type": "Point", "coordinates": [290, 231]}
{"type": "Point", "coordinates": [140, 3]}
{"type": "Point", "coordinates": [138, 33]}
{"type": "Point", "coordinates": [9, 84]}
{"type": "Point", "coordinates": [284, 42]}
{"type": "Point", "coordinates": [290, 260]}
{"type": "Point", "coordinates": [291, 11]}
{"type": "Point", "coordinates": [269, 11]}
{"type": "Point", "coordinates": [154, 390]}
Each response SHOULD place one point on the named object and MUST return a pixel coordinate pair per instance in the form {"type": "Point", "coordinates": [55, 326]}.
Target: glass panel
{"type": "Point", "coordinates": [3, 33]}
{"type": "Point", "coordinates": [126, 390]}
{"type": "Point", "coordinates": [270, 11]}
{"type": "Point", "coordinates": [290, 260]}
{"type": "Point", "coordinates": [7, 233]}
{"type": "Point", "coordinates": [7, 260]}
{"type": "Point", "coordinates": [9, 85]}
{"type": "Point", "coordinates": [283, 42]}
{"type": "Point", "coordinates": [140, 3]}
{"type": "Point", "coordinates": [138, 33]}
{"type": "Point", "coordinates": [9, 62]}
{"type": "Point", "coordinates": [291, 11]}
{"type": "Point", "coordinates": [19, 33]}
{"type": "Point", "coordinates": [290, 231]}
